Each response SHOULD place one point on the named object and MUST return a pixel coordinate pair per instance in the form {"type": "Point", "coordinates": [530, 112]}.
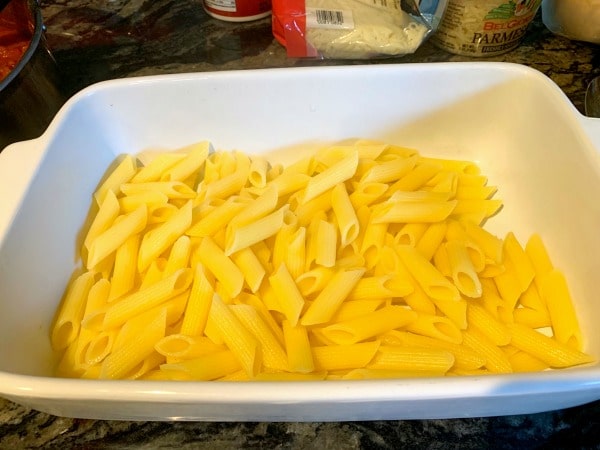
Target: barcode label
{"type": "Point", "coordinates": [336, 19]}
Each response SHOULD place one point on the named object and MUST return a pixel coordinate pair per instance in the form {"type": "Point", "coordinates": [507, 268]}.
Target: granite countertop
{"type": "Point", "coordinates": [94, 40]}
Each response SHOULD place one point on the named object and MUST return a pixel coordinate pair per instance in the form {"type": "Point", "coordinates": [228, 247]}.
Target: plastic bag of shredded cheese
{"type": "Point", "coordinates": [354, 29]}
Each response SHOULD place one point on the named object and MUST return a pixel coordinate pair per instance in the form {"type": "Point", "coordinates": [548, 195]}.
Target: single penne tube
{"type": "Point", "coordinates": [158, 214]}
{"type": "Point", "coordinates": [330, 298]}
{"type": "Point", "coordinates": [108, 211]}
{"type": "Point", "coordinates": [469, 206]}
{"type": "Point", "coordinates": [475, 192]}
{"type": "Point", "coordinates": [159, 239]}
{"type": "Point", "coordinates": [454, 165]}
{"type": "Point", "coordinates": [565, 326]}
{"type": "Point", "coordinates": [523, 268]}
{"type": "Point", "coordinates": [250, 234]}
{"type": "Point", "coordinates": [172, 189]}
{"type": "Point", "coordinates": [295, 257]}
{"type": "Point", "coordinates": [465, 179]}
{"type": "Point", "coordinates": [370, 325]}
{"type": "Point", "coordinates": [531, 318]}
{"type": "Point", "coordinates": [154, 168]}
{"type": "Point", "coordinates": [429, 278]}
{"type": "Point", "coordinates": [431, 239]}
{"type": "Point", "coordinates": [365, 193]}
{"type": "Point", "coordinates": [531, 298]}
{"type": "Point", "coordinates": [464, 357]}
{"type": "Point", "coordinates": [124, 359]}
{"type": "Point", "coordinates": [326, 244]}
{"type": "Point", "coordinates": [347, 221]}
{"type": "Point", "coordinates": [289, 297]}
{"type": "Point", "coordinates": [149, 363]}
{"type": "Point", "coordinates": [373, 242]}
{"type": "Point", "coordinates": [409, 211]}
{"type": "Point", "coordinates": [221, 266]}
{"type": "Point", "coordinates": [259, 167]}
{"type": "Point", "coordinates": [198, 303]}
{"type": "Point", "coordinates": [289, 182]}
{"type": "Point", "coordinates": [216, 219]}
{"type": "Point", "coordinates": [390, 170]}
{"type": "Point", "coordinates": [463, 272]}
{"type": "Point", "coordinates": [341, 357]}
{"type": "Point", "coordinates": [236, 336]}
{"type": "Point", "coordinates": [524, 362]}
{"type": "Point", "coordinates": [125, 268]}
{"type": "Point", "coordinates": [413, 180]}
{"type": "Point", "coordinates": [314, 280]}
{"type": "Point", "coordinates": [393, 357]}
{"type": "Point", "coordinates": [508, 284]}
{"type": "Point", "coordinates": [444, 181]}
{"type": "Point", "coordinates": [149, 198]}
{"type": "Point", "coordinates": [479, 318]}
{"type": "Point", "coordinates": [338, 172]}
{"type": "Point", "coordinates": [122, 173]}
{"type": "Point", "coordinates": [281, 243]}
{"type": "Point", "coordinates": [154, 273]}
{"type": "Point", "coordinates": [135, 303]}
{"type": "Point", "coordinates": [306, 212]}
{"type": "Point", "coordinates": [250, 266]}
{"type": "Point", "coordinates": [356, 308]}
{"type": "Point", "coordinates": [178, 256]}
{"type": "Point", "coordinates": [552, 352]}
{"type": "Point", "coordinates": [99, 347]}
{"type": "Point", "coordinates": [265, 314]}
{"type": "Point", "coordinates": [490, 245]}
{"type": "Point", "coordinates": [70, 312]}
{"type": "Point", "coordinates": [272, 353]}
{"type": "Point", "coordinates": [210, 366]}
{"type": "Point", "coordinates": [454, 310]}
{"type": "Point", "coordinates": [434, 326]}
{"type": "Point", "coordinates": [538, 255]}
{"type": "Point", "coordinates": [496, 359]}
{"type": "Point", "coordinates": [190, 164]}
{"type": "Point", "coordinates": [383, 286]}
{"type": "Point", "coordinates": [229, 184]}
{"type": "Point", "coordinates": [257, 208]}
{"type": "Point", "coordinates": [410, 233]}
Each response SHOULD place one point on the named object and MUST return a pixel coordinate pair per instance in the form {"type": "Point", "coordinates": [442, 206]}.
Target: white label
{"type": "Point", "coordinates": [333, 19]}
{"type": "Point", "coordinates": [221, 5]}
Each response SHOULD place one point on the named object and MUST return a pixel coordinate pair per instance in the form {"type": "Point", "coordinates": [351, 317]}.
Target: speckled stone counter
{"type": "Point", "coordinates": [94, 40]}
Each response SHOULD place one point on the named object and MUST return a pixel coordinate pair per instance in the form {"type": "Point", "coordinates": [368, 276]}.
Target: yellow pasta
{"type": "Point", "coordinates": [134, 304]}
{"type": "Point", "coordinates": [370, 325]}
{"type": "Point", "coordinates": [359, 261]}
{"type": "Point", "coordinates": [345, 214]}
{"type": "Point", "coordinates": [198, 304]}
{"type": "Point", "coordinates": [124, 171]}
{"type": "Point", "coordinates": [415, 359]}
{"type": "Point", "coordinates": [563, 319]}
{"type": "Point", "coordinates": [289, 297]}
{"type": "Point", "coordinates": [330, 298]}
{"type": "Point", "coordinates": [238, 338]}
{"type": "Point", "coordinates": [191, 163]}
{"type": "Point", "coordinates": [221, 266]}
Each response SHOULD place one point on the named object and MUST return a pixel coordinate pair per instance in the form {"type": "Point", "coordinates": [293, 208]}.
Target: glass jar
{"type": "Point", "coordinates": [484, 27]}
{"type": "Point", "coordinates": [574, 19]}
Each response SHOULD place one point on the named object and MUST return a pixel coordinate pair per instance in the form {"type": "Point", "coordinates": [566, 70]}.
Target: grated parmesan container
{"type": "Point", "coordinates": [484, 27]}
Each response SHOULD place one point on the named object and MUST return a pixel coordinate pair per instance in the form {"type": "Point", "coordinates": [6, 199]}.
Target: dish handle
{"type": "Point", "coordinates": [18, 164]}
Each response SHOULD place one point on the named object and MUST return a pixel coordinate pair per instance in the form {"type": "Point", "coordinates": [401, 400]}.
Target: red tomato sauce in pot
{"type": "Point", "coordinates": [16, 31]}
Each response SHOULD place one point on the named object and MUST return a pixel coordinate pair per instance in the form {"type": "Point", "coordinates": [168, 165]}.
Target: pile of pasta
{"type": "Point", "coordinates": [364, 260]}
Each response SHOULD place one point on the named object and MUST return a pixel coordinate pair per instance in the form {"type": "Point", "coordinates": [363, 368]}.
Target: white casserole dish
{"type": "Point", "coordinates": [512, 120]}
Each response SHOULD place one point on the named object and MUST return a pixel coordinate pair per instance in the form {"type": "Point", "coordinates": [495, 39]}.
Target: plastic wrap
{"type": "Point", "coordinates": [354, 29]}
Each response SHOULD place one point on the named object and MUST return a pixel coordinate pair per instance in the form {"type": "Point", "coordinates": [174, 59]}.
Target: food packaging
{"type": "Point", "coordinates": [237, 10]}
{"type": "Point", "coordinates": [546, 177]}
{"type": "Point", "coordinates": [354, 29]}
{"type": "Point", "coordinates": [574, 19]}
{"type": "Point", "coordinates": [484, 28]}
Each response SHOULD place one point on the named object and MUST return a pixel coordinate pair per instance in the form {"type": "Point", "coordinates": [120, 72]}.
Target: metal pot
{"type": "Point", "coordinates": [30, 94]}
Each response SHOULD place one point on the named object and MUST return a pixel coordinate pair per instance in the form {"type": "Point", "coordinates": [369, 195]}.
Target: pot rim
{"type": "Point", "coordinates": [33, 45]}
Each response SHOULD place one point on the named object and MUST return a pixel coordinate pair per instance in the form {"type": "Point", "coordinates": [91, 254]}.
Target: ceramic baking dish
{"type": "Point", "coordinates": [513, 121]}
